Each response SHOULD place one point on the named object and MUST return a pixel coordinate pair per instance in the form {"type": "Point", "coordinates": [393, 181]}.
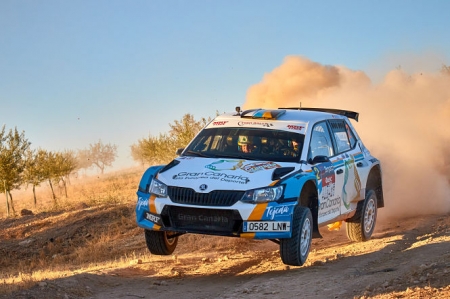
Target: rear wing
{"type": "Point", "coordinates": [346, 113]}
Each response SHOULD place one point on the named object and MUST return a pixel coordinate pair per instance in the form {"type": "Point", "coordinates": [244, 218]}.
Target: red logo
{"type": "Point", "coordinates": [219, 123]}
{"type": "Point", "coordinates": [294, 127]}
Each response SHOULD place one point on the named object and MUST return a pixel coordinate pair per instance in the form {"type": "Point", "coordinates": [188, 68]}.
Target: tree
{"type": "Point", "coordinates": [13, 147]}
{"type": "Point", "coordinates": [55, 167]}
{"type": "Point", "coordinates": [65, 164]}
{"type": "Point", "coordinates": [138, 153]}
{"type": "Point", "coordinates": [161, 149]}
{"type": "Point", "coordinates": [33, 173]}
{"type": "Point", "coordinates": [154, 150]}
{"type": "Point", "coordinates": [98, 154]}
{"type": "Point", "coordinates": [47, 166]}
{"type": "Point", "coordinates": [83, 159]}
{"type": "Point", "coordinates": [183, 131]}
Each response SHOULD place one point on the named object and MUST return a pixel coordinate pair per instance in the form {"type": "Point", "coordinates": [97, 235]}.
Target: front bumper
{"type": "Point", "coordinates": [155, 213]}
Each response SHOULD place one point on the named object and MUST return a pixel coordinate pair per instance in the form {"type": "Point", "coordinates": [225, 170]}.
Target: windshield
{"type": "Point", "coordinates": [245, 143]}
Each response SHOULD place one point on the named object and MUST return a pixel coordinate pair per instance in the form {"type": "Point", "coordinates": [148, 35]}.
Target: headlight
{"type": "Point", "coordinates": [263, 195]}
{"type": "Point", "coordinates": [158, 188]}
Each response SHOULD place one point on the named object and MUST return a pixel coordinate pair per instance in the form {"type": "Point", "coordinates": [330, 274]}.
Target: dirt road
{"type": "Point", "coordinates": [406, 258]}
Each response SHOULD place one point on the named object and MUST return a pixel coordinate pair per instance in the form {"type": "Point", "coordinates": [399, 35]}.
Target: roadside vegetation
{"type": "Point", "coordinates": [161, 149]}
{"type": "Point", "coordinates": [89, 228]}
{"type": "Point", "coordinates": [62, 222]}
{"type": "Point", "coordinates": [92, 230]}
{"type": "Point", "coordinates": [21, 166]}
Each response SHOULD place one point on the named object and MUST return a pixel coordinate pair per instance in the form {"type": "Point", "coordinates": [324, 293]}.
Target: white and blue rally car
{"type": "Point", "coordinates": [276, 174]}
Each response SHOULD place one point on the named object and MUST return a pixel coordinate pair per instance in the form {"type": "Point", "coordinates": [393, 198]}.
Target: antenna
{"type": "Point", "coordinates": [238, 110]}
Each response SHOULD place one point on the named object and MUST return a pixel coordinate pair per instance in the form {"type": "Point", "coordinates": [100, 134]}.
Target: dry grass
{"type": "Point", "coordinates": [114, 188]}
{"type": "Point", "coordinates": [94, 227]}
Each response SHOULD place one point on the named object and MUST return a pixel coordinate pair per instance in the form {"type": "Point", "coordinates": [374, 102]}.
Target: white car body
{"type": "Point", "coordinates": [323, 174]}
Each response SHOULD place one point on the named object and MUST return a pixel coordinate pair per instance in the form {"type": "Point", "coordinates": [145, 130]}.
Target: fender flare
{"type": "Point", "coordinates": [147, 177]}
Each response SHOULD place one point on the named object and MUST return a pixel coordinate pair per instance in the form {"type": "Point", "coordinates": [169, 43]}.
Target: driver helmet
{"type": "Point", "coordinates": [244, 139]}
{"type": "Point", "coordinates": [246, 144]}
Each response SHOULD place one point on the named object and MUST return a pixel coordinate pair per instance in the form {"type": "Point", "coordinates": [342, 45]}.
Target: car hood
{"type": "Point", "coordinates": [207, 174]}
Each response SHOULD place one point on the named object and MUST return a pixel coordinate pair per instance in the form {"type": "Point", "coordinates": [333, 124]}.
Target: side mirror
{"type": "Point", "coordinates": [318, 159]}
{"type": "Point", "coordinates": [179, 151]}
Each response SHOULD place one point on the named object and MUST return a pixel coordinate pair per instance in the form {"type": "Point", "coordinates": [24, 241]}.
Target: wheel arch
{"type": "Point", "coordinates": [146, 178]}
{"type": "Point", "coordinates": [309, 198]}
{"type": "Point", "coordinates": [374, 182]}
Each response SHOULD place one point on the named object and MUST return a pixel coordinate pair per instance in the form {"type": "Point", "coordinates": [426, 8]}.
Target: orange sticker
{"type": "Point", "coordinates": [258, 211]}
{"type": "Point", "coordinates": [151, 204]}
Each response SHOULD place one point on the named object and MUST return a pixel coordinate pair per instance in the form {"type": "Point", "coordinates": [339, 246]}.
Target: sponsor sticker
{"type": "Point", "coordinates": [254, 167]}
{"type": "Point", "coordinates": [142, 203]}
{"type": "Point", "coordinates": [329, 202]}
{"type": "Point", "coordinates": [219, 123]}
{"type": "Point", "coordinates": [223, 177]}
{"type": "Point", "coordinates": [326, 179]}
{"type": "Point", "coordinates": [225, 164]}
{"type": "Point", "coordinates": [255, 123]}
{"type": "Point", "coordinates": [329, 206]}
{"type": "Point", "coordinates": [266, 226]}
{"type": "Point", "coordinates": [295, 127]}
{"type": "Point", "coordinates": [272, 212]}
{"type": "Point", "coordinates": [207, 219]}
{"type": "Point", "coordinates": [153, 218]}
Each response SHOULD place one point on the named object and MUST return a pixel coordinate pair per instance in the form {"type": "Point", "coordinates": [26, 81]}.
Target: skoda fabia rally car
{"type": "Point", "coordinates": [277, 174]}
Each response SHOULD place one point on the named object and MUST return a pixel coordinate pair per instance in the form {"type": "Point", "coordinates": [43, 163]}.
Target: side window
{"type": "Point", "coordinates": [321, 144]}
{"type": "Point", "coordinates": [351, 136]}
{"type": "Point", "coordinates": [343, 135]}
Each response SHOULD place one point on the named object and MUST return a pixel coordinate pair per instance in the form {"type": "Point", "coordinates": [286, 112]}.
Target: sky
{"type": "Point", "coordinates": [75, 72]}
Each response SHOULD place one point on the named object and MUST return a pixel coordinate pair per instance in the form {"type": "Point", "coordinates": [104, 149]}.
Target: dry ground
{"type": "Point", "coordinates": [95, 250]}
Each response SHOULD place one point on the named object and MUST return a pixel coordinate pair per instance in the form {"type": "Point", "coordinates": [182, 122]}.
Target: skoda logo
{"type": "Point", "coordinates": [203, 187]}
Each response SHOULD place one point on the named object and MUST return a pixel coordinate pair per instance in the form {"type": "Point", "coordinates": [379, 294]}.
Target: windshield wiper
{"type": "Point", "coordinates": [197, 154]}
{"type": "Point", "coordinates": [243, 157]}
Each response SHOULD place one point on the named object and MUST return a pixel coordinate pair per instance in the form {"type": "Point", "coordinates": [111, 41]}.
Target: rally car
{"type": "Point", "coordinates": [276, 174]}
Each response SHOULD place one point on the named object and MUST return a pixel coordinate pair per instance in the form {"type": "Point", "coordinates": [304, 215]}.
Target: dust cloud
{"type": "Point", "coordinates": [404, 121]}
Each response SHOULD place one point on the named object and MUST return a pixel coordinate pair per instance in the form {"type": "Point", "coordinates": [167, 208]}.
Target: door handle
{"type": "Point", "coordinates": [360, 164]}
{"type": "Point", "coordinates": [339, 171]}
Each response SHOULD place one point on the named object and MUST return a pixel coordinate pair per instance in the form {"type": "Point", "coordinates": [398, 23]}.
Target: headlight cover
{"type": "Point", "coordinates": [158, 188]}
{"type": "Point", "coordinates": [263, 195]}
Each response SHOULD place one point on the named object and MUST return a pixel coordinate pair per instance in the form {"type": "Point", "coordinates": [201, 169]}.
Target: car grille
{"type": "Point", "coordinates": [218, 198]}
{"type": "Point", "coordinates": [216, 221]}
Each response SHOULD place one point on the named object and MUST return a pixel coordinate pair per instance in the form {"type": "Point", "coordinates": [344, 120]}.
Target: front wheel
{"type": "Point", "coordinates": [160, 242]}
{"type": "Point", "coordinates": [361, 226]}
{"type": "Point", "coordinates": [294, 251]}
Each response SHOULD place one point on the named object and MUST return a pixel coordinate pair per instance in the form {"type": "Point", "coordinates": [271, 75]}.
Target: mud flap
{"type": "Point", "coordinates": [316, 234]}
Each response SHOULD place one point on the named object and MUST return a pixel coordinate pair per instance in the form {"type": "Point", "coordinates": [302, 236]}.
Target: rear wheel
{"type": "Point", "coordinates": [361, 226]}
{"type": "Point", "coordinates": [160, 242]}
{"type": "Point", "coordinates": [294, 251]}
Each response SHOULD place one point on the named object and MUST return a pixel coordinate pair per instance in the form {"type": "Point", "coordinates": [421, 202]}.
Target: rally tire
{"type": "Point", "coordinates": [294, 251]}
{"type": "Point", "coordinates": [360, 227]}
{"type": "Point", "coordinates": [158, 242]}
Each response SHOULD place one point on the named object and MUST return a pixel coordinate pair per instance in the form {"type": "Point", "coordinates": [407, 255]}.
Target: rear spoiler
{"type": "Point", "coordinates": [346, 113]}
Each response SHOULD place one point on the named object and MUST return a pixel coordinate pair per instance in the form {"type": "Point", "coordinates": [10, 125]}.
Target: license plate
{"type": "Point", "coordinates": [266, 226]}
